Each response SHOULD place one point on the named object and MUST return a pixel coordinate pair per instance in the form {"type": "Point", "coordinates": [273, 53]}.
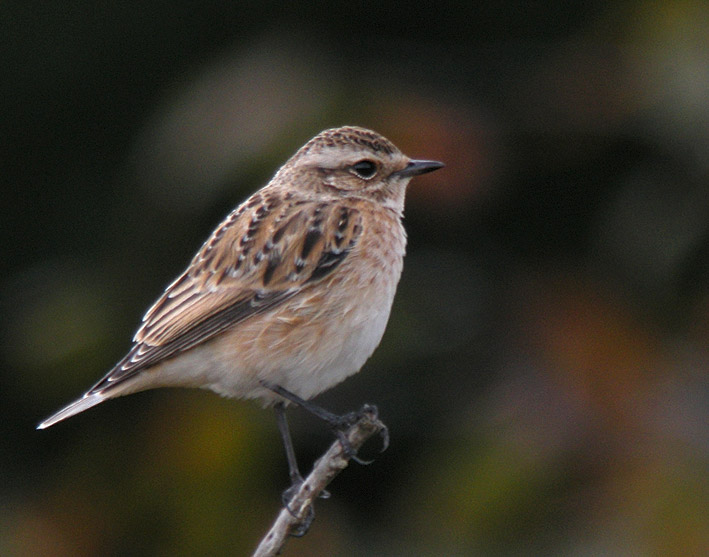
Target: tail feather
{"type": "Point", "coordinates": [84, 403]}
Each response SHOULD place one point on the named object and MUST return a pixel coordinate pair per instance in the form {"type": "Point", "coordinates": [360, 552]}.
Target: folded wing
{"type": "Point", "coordinates": [266, 252]}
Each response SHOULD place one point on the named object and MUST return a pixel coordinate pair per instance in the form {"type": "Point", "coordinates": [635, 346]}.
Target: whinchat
{"type": "Point", "coordinates": [292, 291]}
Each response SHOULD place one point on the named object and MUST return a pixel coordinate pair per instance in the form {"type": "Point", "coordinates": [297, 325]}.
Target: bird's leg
{"type": "Point", "coordinates": [293, 471]}
{"type": "Point", "coordinates": [337, 423]}
{"type": "Point", "coordinates": [296, 479]}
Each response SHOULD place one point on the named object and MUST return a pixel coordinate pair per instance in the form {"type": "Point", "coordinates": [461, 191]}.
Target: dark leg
{"type": "Point", "coordinates": [338, 423]}
{"type": "Point", "coordinates": [333, 420]}
{"type": "Point", "coordinates": [295, 478]}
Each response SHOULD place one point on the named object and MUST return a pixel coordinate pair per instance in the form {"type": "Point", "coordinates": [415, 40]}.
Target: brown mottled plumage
{"type": "Point", "coordinates": [293, 288]}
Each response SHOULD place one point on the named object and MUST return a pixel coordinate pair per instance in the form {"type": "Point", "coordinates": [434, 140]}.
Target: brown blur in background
{"type": "Point", "coordinates": [544, 373]}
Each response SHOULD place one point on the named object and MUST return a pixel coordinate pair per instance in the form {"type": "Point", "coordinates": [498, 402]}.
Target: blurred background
{"type": "Point", "coordinates": [544, 373]}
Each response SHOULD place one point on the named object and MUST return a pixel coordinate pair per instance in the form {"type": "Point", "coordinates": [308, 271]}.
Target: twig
{"type": "Point", "coordinates": [334, 461]}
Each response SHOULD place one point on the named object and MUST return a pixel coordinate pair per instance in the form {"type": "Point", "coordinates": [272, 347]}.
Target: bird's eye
{"type": "Point", "coordinates": [364, 169]}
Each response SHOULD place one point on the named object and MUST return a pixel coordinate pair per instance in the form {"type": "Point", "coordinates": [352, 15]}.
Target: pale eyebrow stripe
{"type": "Point", "coordinates": [334, 158]}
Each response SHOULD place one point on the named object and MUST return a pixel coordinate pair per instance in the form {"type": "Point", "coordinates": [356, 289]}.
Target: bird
{"type": "Point", "coordinates": [290, 294]}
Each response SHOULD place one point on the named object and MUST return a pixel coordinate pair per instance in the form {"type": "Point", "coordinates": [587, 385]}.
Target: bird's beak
{"type": "Point", "coordinates": [414, 168]}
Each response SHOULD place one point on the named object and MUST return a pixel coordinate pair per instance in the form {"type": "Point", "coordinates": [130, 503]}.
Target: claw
{"type": "Point", "coordinates": [361, 461]}
{"type": "Point", "coordinates": [384, 431]}
{"type": "Point", "coordinates": [384, 434]}
{"type": "Point", "coordinates": [342, 423]}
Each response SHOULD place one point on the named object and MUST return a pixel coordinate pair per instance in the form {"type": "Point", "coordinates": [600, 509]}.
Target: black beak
{"type": "Point", "coordinates": [414, 168]}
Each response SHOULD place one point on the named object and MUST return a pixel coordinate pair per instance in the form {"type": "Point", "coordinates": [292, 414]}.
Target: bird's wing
{"type": "Point", "coordinates": [264, 253]}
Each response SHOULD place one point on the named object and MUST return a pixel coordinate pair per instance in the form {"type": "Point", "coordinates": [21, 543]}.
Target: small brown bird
{"type": "Point", "coordinates": [291, 293]}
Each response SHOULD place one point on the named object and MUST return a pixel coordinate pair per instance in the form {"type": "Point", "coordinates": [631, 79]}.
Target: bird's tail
{"type": "Point", "coordinates": [84, 403]}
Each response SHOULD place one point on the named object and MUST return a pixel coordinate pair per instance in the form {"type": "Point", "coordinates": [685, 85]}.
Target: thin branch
{"type": "Point", "coordinates": [334, 461]}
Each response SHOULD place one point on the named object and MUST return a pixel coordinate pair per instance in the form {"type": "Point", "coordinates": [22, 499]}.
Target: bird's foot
{"type": "Point", "coordinates": [303, 526]}
{"type": "Point", "coordinates": [287, 496]}
{"type": "Point", "coordinates": [340, 425]}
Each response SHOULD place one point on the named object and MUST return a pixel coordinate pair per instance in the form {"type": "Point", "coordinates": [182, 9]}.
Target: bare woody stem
{"type": "Point", "coordinates": [334, 461]}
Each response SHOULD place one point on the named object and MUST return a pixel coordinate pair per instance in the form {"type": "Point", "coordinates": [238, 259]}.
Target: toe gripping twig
{"type": "Point", "coordinates": [362, 425]}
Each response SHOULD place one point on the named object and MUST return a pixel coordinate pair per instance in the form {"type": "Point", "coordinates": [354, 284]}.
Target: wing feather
{"type": "Point", "coordinates": [267, 251]}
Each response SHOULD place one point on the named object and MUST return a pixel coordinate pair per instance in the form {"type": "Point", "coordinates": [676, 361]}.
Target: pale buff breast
{"type": "Point", "coordinates": [316, 339]}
